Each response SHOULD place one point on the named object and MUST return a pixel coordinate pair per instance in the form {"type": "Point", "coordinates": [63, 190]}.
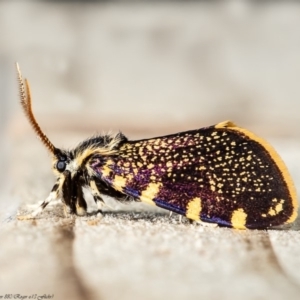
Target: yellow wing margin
{"type": "Point", "coordinates": [276, 158]}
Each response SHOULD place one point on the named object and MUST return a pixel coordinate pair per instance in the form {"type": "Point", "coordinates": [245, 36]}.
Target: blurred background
{"type": "Point", "coordinates": [146, 68]}
{"type": "Point", "coordinates": [149, 68]}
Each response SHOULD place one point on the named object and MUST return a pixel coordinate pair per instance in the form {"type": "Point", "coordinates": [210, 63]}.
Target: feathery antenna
{"type": "Point", "coordinates": [25, 98]}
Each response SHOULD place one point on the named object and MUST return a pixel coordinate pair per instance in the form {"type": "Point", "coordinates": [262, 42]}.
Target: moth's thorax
{"type": "Point", "coordinates": [78, 159]}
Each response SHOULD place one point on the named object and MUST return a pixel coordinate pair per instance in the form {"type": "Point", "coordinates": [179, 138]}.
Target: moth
{"type": "Point", "coordinates": [220, 174]}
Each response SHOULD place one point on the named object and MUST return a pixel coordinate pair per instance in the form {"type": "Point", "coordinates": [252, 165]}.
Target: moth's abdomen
{"type": "Point", "coordinates": [221, 174]}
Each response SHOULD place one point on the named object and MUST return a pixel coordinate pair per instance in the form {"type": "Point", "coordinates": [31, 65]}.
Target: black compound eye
{"type": "Point", "coordinates": [61, 166]}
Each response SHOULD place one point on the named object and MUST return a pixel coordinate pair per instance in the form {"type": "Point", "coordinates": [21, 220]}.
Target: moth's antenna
{"type": "Point", "coordinates": [25, 99]}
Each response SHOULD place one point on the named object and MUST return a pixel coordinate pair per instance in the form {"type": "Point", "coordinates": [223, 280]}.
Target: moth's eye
{"type": "Point", "coordinates": [61, 166]}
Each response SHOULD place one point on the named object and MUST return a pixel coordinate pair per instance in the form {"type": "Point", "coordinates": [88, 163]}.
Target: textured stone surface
{"type": "Point", "coordinates": [135, 251]}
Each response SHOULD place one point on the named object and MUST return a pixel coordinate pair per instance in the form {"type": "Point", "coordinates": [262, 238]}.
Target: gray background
{"type": "Point", "coordinates": [154, 66]}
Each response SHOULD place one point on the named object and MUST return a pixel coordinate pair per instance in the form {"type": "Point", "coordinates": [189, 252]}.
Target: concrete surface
{"type": "Point", "coordinates": [135, 251]}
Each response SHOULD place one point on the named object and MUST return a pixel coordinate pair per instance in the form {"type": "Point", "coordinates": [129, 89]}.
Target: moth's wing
{"type": "Point", "coordinates": [221, 174]}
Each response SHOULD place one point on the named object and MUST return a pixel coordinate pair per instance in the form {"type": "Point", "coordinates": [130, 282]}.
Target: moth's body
{"type": "Point", "coordinates": [221, 174]}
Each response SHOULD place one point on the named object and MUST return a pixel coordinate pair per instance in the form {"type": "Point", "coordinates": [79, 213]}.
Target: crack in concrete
{"type": "Point", "coordinates": [64, 244]}
{"type": "Point", "coordinates": [266, 263]}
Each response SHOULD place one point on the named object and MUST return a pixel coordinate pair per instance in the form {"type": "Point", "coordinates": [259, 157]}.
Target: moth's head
{"type": "Point", "coordinates": [61, 160]}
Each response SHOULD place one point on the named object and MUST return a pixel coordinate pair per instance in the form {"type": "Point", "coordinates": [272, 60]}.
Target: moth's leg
{"type": "Point", "coordinates": [69, 194]}
{"type": "Point", "coordinates": [52, 196]}
{"type": "Point", "coordinates": [52, 203]}
{"type": "Point", "coordinates": [96, 194]}
{"type": "Point", "coordinates": [80, 204]}
{"type": "Point", "coordinates": [179, 217]}
{"type": "Point", "coordinates": [67, 210]}
{"type": "Point", "coordinates": [206, 224]}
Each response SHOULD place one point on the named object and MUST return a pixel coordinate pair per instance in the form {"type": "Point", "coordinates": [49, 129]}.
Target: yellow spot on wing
{"type": "Point", "coordinates": [278, 208]}
{"type": "Point", "coordinates": [119, 182]}
{"type": "Point", "coordinates": [238, 219]}
{"type": "Point", "coordinates": [272, 212]}
{"type": "Point", "coordinates": [169, 164]}
{"type": "Point", "coordinates": [105, 171]}
{"type": "Point", "coordinates": [193, 209]}
{"type": "Point", "coordinates": [150, 193]}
